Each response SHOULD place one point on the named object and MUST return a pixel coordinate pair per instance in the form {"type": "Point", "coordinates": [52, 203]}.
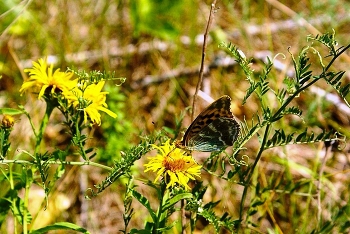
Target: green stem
{"type": "Point", "coordinates": [289, 100]}
{"type": "Point", "coordinates": [251, 171]}
{"type": "Point", "coordinates": [26, 202]}
{"type": "Point", "coordinates": [29, 119]}
{"type": "Point", "coordinates": [164, 196]}
{"type": "Point", "coordinates": [43, 125]}
{"type": "Point", "coordinates": [80, 143]}
{"type": "Point", "coordinates": [246, 139]}
{"type": "Point", "coordinates": [25, 162]}
{"type": "Point", "coordinates": [39, 138]}
{"type": "Point", "coordinates": [12, 188]}
{"type": "Point", "coordinates": [10, 176]}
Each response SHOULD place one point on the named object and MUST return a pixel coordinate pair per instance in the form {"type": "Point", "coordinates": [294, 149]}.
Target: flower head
{"type": "Point", "coordinates": [7, 121]}
{"type": "Point", "coordinates": [42, 77]}
{"type": "Point", "coordinates": [173, 162]}
{"type": "Point", "coordinates": [94, 100]}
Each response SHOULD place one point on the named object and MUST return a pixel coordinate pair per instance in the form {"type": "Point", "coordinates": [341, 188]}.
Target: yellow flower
{"type": "Point", "coordinates": [173, 162]}
{"type": "Point", "coordinates": [7, 121]}
{"type": "Point", "coordinates": [95, 99]}
{"type": "Point", "coordinates": [42, 77]}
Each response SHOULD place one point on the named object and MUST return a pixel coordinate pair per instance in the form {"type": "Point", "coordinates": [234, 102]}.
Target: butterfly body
{"type": "Point", "coordinates": [214, 129]}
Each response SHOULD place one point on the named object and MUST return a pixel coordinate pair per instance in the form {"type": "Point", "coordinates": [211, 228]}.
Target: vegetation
{"type": "Point", "coordinates": [82, 147]}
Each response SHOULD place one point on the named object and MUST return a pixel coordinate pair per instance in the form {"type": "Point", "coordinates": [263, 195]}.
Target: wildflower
{"type": "Point", "coordinates": [7, 121]}
{"type": "Point", "coordinates": [173, 162]}
{"type": "Point", "coordinates": [91, 100]}
{"type": "Point", "coordinates": [42, 78]}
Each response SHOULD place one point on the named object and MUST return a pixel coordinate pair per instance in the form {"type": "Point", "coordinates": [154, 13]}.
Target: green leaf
{"type": "Point", "coordinates": [345, 90]}
{"type": "Point", "coordinates": [211, 205]}
{"type": "Point", "coordinates": [144, 201]}
{"type": "Point", "coordinates": [210, 216]}
{"type": "Point", "coordinates": [258, 203]}
{"type": "Point", "coordinates": [10, 111]}
{"type": "Point", "coordinates": [168, 227]}
{"type": "Point", "coordinates": [60, 226]}
{"type": "Point", "coordinates": [171, 202]}
{"type": "Point", "coordinates": [4, 209]}
{"type": "Point", "coordinates": [292, 110]}
{"type": "Point", "coordinates": [301, 137]}
{"type": "Point", "coordinates": [89, 150]}
{"type": "Point", "coordinates": [143, 231]}
{"type": "Point", "coordinates": [252, 212]}
{"type": "Point", "coordinates": [61, 169]}
{"type": "Point", "coordinates": [251, 89]}
{"type": "Point", "coordinates": [17, 207]}
{"type": "Point", "coordinates": [281, 94]}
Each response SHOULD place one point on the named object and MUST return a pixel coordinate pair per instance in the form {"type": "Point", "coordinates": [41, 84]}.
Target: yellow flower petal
{"type": "Point", "coordinates": [172, 163]}
{"type": "Point", "coordinates": [96, 99]}
{"type": "Point", "coordinates": [41, 77]}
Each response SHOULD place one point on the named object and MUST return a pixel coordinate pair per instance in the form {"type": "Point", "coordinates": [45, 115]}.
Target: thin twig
{"type": "Point", "coordinates": [200, 79]}
{"type": "Point", "coordinates": [201, 70]}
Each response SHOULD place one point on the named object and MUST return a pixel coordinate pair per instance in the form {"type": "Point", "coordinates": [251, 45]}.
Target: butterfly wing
{"type": "Point", "coordinates": [216, 117]}
{"type": "Point", "coordinates": [217, 135]}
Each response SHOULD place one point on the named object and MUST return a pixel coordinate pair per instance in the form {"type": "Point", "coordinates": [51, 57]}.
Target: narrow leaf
{"type": "Point", "coordinates": [144, 201]}
{"type": "Point", "coordinates": [10, 111]}
{"type": "Point", "coordinates": [60, 226]}
{"type": "Point", "coordinates": [171, 202]}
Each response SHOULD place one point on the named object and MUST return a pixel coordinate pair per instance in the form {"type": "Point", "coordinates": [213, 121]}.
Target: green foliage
{"type": "Point", "coordinates": [38, 169]}
{"type": "Point", "coordinates": [154, 18]}
{"type": "Point", "coordinates": [269, 117]}
{"type": "Point", "coordinates": [123, 166]}
{"type": "Point", "coordinates": [167, 201]}
{"type": "Point", "coordinates": [117, 132]}
{"type": "Point", "coordinates": [128, 210]}
{"type": "Point", "coordinates": [339, 221]}
{"type": "Point", "coordinates": [208, 211]}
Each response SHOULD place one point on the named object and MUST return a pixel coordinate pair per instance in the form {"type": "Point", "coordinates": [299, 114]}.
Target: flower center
{"type": "Point", "coordinates": [174, 164]}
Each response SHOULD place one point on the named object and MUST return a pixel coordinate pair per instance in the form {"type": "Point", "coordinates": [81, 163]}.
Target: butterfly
{"type": "Point", "coordinates": [214, 129]}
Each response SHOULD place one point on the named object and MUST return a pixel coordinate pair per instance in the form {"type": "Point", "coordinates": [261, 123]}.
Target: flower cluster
{"type": "Point", "coordinates": [43, 79]}
{"type": "Point", "coordinates": [174, 164]}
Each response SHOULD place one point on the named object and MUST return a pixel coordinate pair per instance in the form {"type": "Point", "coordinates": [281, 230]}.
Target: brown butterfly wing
{"type": "Point", "coordinates": [218, 109]}
{"type": "Point", "coordinates": [216, 136]}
